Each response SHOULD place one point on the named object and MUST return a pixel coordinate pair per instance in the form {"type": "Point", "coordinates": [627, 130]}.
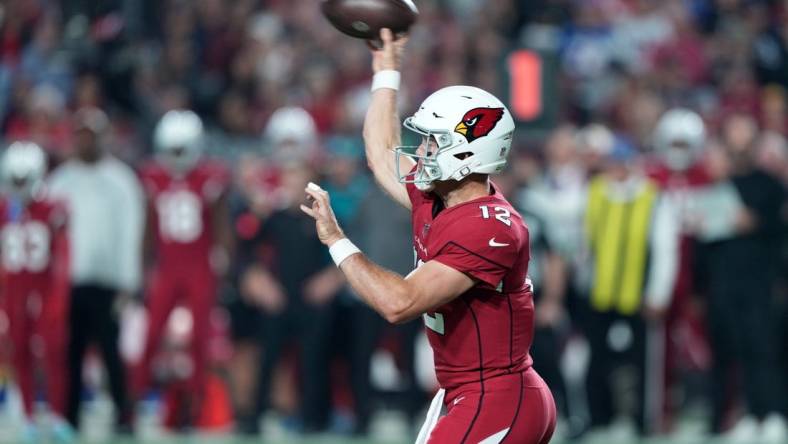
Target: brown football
{"type": "Point", "coordinates": [365, 18]}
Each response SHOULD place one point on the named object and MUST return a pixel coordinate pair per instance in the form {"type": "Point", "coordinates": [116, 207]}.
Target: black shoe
{"type": "Point", "coordinates": [124, 429]}
{"type": "Point", "coordinates": [248, 425]}
{"type": "Point", "coordinates": [124, 424]}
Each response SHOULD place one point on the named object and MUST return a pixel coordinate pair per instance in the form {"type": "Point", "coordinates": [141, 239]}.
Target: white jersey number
{"type": "Point", "coordinates": [25, 247]}
{"type": "Point", "coordinates": [502, 214]}
{"type": "Point", "coordinates": [180, 216]}
{"type": "Point", "coordinates": [434, 322]}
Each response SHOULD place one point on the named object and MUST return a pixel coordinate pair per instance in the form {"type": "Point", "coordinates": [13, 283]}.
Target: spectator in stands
{"type": "Point", "coordinates": [105, 201]}
{"type": "Point", "coordinates": [43, 59]}
{"type": "Point", "coordinates": [42, 119]}
{"type": "Point", "coordinates": [771, 155]}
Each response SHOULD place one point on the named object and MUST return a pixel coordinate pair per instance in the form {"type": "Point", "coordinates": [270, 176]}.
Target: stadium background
{"type": "Point", "coordinates": [562, 65]}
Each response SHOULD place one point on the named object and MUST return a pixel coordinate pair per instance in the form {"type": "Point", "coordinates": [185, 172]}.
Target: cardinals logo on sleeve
{"type": "Point", "coordinates": [479, 122]}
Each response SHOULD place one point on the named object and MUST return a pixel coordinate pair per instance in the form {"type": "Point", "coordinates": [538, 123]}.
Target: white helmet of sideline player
{"type": "Point", "coordinates": [465, 131]}
{"type": "Point", "coordinates": [679, 138]}
{"type": "Point", "coordinates": [24, 167]}
{"type": "Point", "coordinates": [178, 139]}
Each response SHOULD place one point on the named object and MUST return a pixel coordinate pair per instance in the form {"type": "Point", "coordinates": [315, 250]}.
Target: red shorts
{"type": "Point", "coordinates": [516, 408]}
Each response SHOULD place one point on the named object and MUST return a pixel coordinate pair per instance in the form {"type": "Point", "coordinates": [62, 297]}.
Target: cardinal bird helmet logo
{"type": "Point", "coordinates": [478, 122]}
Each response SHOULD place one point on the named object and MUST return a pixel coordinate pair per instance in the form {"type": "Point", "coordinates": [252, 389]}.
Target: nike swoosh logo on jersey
{"type": "Point", "coordinates": [496, 244]}
{"type": "Point", "coordinates": [457, 401]}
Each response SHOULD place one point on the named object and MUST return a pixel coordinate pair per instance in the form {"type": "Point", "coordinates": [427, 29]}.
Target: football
{"type": "Point", "coordinates": [365, 18]}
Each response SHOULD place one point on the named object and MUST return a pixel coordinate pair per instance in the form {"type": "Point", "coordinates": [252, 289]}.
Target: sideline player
{"type": "Point", "coordinates": [189, 223]}
{"type": "Point", "coordinates": [678, 168]}
{"type": "Point", "coordinates": [472, 251]}
{"type": "Point", "coordinates": [35, 282]}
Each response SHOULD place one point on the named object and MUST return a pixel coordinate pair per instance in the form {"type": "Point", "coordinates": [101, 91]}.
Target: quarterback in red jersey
{"type": "Point", "coordinates": [470, 285]}
{"type": "Point", "coordinates": [35, 279]}
{"type": "Point", "coordinates": [189, 230]}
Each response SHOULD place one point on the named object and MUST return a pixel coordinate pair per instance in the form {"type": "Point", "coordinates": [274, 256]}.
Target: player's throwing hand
{"type": "Point", "coordinates": [389, 56]}
{"type": "Point", "coordinates": [328, 230]}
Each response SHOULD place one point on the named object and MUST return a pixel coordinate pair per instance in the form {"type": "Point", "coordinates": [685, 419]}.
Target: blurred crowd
{"type": "Point", "coordinates": [656, 205]}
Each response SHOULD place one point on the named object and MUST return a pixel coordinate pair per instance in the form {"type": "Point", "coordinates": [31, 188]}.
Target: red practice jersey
{"type": "Point", "coordinates": [488, 330]}
{"type": "Point", "coordinates": [181, 206]}
{"type": "Point", "coordinates": [33, 247]}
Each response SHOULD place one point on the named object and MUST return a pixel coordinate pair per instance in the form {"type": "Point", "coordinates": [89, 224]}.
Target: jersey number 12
{"type": "Point", "coordinates": [502, 214]}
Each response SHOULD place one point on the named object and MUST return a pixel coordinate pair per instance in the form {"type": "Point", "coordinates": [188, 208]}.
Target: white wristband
{"type": "Point", "coordinates": [386, 79]}
{"type": "Point", "coordinates": [341, 250]}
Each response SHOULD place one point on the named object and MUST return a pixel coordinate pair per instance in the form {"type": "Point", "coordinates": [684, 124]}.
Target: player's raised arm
{"type": "Point", "coordinates": [382, 125]}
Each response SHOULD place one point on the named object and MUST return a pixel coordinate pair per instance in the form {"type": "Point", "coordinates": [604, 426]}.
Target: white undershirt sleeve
{"type": "Point", "coordinates": [664, 255]}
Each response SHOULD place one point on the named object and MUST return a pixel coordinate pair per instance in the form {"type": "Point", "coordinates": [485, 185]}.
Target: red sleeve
{"type": "Point", "coordinates": [483, 250]}
{"type": "Point", "coordinates": [416, 196]}
{"type": "Point", "coordinates": [147, 177]}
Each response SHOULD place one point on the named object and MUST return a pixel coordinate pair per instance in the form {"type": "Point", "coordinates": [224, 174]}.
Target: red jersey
{"type": "Point", "coordinates": [488, 330]}
{"type": "Point", "coordinates": [33, 246]}
{"type": "Point", "coordinates": [182, 211]}
{"type": "Point", "coordinates": [680, 189]}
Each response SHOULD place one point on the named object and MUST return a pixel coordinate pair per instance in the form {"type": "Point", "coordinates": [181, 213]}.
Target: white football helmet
{"type": "Point", "coordinates": [472, 132]}
{"type": "Point", "coordinates": [178, 139]}
{"type": "Point", "coordinates": [679, 138]}
{"type": "Point", "coordinates": [24, 167]}
{"type": "Point", "coordinates": [596, 139]}
{"type": "Point", "coordinates": [291, 133]}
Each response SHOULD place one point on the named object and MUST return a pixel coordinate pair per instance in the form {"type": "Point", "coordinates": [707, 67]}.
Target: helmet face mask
{"type": "Point", "coordinates": [428, 169]}
{"type": "Point", "coordinates": [21, 184]}
{"type": "Point", "coordinates": [180, 158]}
{"type": "Point", "coordinates": [679, 138]}
{"type": "Point", "coordinates": [679, 155]}
{"type": "Point", "coordinates": [465, 130]}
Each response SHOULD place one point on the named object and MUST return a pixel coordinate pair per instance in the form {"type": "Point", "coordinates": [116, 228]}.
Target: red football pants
{"type": "Point", "coordinates": [197, 291]}
{"type": "Point", "coordinates": [516, 408]}
{"type": "Point", "coordinates": [38, 326]}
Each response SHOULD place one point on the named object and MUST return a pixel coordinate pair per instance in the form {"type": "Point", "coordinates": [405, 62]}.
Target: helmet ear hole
{"type": "Point", "coordinates": [463, 156]}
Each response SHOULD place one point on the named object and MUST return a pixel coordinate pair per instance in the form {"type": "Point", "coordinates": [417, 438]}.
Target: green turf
{"type": "Point", "coordinates": [340, 440]}
{"type": "Point", "coordinates": [236, 440]}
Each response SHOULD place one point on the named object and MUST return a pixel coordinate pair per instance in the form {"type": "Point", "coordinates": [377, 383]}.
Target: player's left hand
{"type": "Point", "coordinates": [328, 230]}
{"type": "Point", "coordinates": [549, 313]}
